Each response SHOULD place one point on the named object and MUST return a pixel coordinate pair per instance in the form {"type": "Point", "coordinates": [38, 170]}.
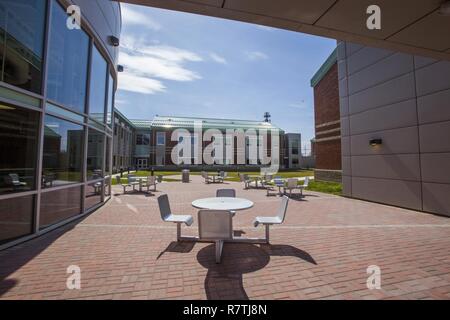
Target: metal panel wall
{"type": "Point", "coordinates": [405, 101]}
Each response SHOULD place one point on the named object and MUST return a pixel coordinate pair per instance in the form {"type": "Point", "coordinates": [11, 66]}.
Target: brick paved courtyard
{"type": "Point", "coordinates": [322, 251]}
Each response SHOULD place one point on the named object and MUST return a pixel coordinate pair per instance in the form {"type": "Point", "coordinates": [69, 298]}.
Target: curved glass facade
{"type": "Point", "coordinates": [56, 97]}
{"type": "Point", "coordinates": [97, 90]}
{"type": "Point", "coordinates": [67, 62]}
{"type": "Point", "coordinates": [22, 43]}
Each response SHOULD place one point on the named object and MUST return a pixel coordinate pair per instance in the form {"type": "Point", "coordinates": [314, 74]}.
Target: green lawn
{"type": "Point", "coordinates": [232, 175]}
{"type": "Point", "coordinates": [147, 173]}
{"type": "Point", "coordinates": [325, 187]}
{"type": "Point", "coordinates": [320, 186]}
{"type": "Point", "coordinates": [144, 173]}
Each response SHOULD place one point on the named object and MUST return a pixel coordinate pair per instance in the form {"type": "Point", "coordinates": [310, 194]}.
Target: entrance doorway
{"type": "Point", "coordinates": [142, 163]}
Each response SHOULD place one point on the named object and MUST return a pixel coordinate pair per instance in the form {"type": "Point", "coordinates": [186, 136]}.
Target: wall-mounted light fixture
{"type": "Point", "coordinates": [375, 142]}
{"type": "Point", "coordinates": [114, 41]}
{"type": "Point", "coordinates": [444, 9]}
{"type": "Point", "coordinates": [119, 68]}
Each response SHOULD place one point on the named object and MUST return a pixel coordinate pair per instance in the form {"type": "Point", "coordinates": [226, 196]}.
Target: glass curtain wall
{"type": "Point", "coordinates": [67, 62]}
{"type": "Point", "coordinates": [63, 152]}
{"type": "Point", "coordinates": [97, 94]}
{"type": "Point", "coordinates": [55, 162]}
{"type": "Point", "coordinates": [18, 158]}
{"type": "Point", "coordinates": [22, 25]}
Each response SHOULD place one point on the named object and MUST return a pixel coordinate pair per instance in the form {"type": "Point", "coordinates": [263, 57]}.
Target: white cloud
{"type": "Point", "coordinates": [156, 67]}
{"type": "Point", "coordinates": [256, 55]}
{"type": "Point", "coordinates": [219, 59]}
{"type": "Point", "coordinates": [170, 53]}
{"type": "Point", "coordinates": [145, 66]}
{"type": "Point", "coordinates": [133, 17]}
{"type": "Point", "coordinates": [140, 84]}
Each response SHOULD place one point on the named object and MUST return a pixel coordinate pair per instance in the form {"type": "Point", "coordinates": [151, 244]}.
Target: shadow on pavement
{"type": "Point", "coordinates": [225, 280]}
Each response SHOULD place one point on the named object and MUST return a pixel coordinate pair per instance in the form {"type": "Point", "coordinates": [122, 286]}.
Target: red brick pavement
{"type": "Point", "coordinates": [322, 251]}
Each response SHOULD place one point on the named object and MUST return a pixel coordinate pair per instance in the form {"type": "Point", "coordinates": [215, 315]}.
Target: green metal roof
{"type": "Point", "coordinates": [209, 123]}
{"type": "Point", "coordinates": [326, 66]}
{"type": "Point", "coordinates": [141, 124]}
{"type": "Point", "coordinates": [189, 122]}
{"type": "Point", "coordinates": [116, 111]}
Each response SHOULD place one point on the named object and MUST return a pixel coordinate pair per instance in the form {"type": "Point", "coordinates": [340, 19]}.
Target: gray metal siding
{"type": "Point", "coordinates": [405, 101]}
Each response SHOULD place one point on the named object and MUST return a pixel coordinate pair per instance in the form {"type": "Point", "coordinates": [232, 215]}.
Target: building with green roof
{"type": "Point", "coordinates": [142, 144]}
{"type": "Point", "coordinates": [162, 136]}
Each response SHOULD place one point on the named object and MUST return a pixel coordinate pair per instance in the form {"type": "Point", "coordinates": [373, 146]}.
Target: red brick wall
{"type": "Point", "coordinates": [326, 97]}
{"type": "Point", "coordinates": [328, 155]}
{"type": "Point", "coordinates": [326, 109]}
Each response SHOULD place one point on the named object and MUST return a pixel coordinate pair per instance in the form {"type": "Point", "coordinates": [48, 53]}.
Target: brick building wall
{"type": "Point", "coordinates": [326, 97]}
{"type": "Point", "coordinates": [327, 147]}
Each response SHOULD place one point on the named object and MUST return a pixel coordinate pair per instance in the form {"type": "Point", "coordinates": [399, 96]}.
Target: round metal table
{"type": "Point", "coordinates": [222, 203]}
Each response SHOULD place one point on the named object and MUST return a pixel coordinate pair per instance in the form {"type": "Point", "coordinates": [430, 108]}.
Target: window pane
{"type": "Point", "coordinates": [59, 205]}
{"type": "Point", "coordinates": [108, 156]}
{"type": "Point", "coordinates": [93, 194]}
{"type": "Point", "coordinates": [146, 139]}
{"type": "Point", "coordinates": [68, 61]}
{"type": "Point", "coordinates": [98, 86]}
{"type": "Point", "coordinates": [110, 100]}
{"type": "Point", "coordinates": [21, 43]}
{"type": "Point", "coordinates": [139, 139]}
{"type": "Point", "coordinates": [63, 151]}
{"type": "Point", "coordinates": [18, 141]}
{"type": "Point", "coordinates": [50, 108]}
{"type": "Point", "coordinates": [95, 154]}
{"type": "Point", "coordinates": [160, 138]}
{"type": "Point", "coordinates": [16, 218]}
{"type": "Point", "coordinates": [108, 186]}
{"type": "Point", "coordinates": [19, 97]}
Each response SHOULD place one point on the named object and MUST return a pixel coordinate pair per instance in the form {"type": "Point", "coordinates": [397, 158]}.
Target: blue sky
{"type": "Point", "coordinates": [191, 65]}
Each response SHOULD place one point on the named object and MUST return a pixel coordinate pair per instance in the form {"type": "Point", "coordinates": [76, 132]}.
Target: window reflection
{"type": "Point", "coordinates": [143, 139]}
{"type": "Point", "coordinates": [59, 205]}
{"type": "Point", "coordinates": [21, 43]}
{"type": "Point", "coordinates": [68, 61]}
{"type": "Point", "coordinates": [160, 138]}
{"type": "Point", "coordinates": [108, 186]}
{"type": "Point", "coordinates": [16, 218]}
{"type": "Point", "coordinates": [109, 108]}
{"type": "Point", "coordinates": [97, 92]}
{"type": "Point", "coordinates": [93, 194]}
{"type": "Point", "coordinates": [108, 156]}
{"type": "Point", "coordinates": [63, 151]}
{"type": "Point", "coordinates": [95, 155]}
{"type": "Point", "coordinates": [18, 148]}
